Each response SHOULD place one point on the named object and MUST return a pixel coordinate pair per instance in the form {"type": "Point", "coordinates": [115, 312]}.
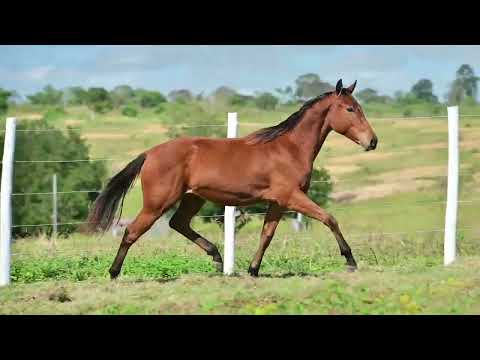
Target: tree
{"type": "Point", "coordinates": [98, 99]}
{"type": "Point", "coordinates": [286, 94]}
{"type": "Point", "coordinates": [14, 98]}
{"type": "Point", "coordinates": [266, 101]}
{"type": "Point", "coordinates": [310, 85]}
{"type": "Point", "coordinates": [467, 80]}
{"type": "Point", "coordinates": [75, 95]}
{"type": "Point", "coordinates": [423, 90]}
{"type": "Point", "coordinates": [152, 99]}
{"type": "Point", "coordinates": [37, 178]}
{"type": "Point", "coordinates": [465, 85]}
{"type": "Point", "coordinates": [122, 94]}
{"type": "Point", "coordinates": [456, 93]}
{"type": "Point", "coordinates": [223, 94]}
{"type": "Point", "coordinates": [367, 95]}
{"type": "Point", "coordinates": [181, 96]}
{"type": "Point", "coordinates": [240, 100]}
{"type": "Point", "coordinates": [49, 96]}
{"type": "Point", "coordinates": [4, 95]}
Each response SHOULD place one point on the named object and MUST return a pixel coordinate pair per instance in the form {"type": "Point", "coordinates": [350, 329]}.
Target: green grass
{"type": "Point", "coordinates": [78, 268]}
{"type": "Point", "coordinates": [372, 290]}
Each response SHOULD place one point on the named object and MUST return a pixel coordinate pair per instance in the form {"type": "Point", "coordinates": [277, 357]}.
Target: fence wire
{"type": "Point", "coordinates": [352, 235]}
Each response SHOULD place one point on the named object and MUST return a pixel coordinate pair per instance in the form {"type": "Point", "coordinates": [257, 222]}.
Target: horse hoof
{"type": "Point", "coordinates": [351, 268]}
{"type": "Point", "coordinates": [253, 272]}
{"type": "Point", "coordinates": [114, 274]}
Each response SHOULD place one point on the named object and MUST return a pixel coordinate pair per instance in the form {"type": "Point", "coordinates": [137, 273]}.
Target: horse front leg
{"type": "Point", "coordinates": [272, 218]}
{"type": "Point", "coordinates": [300, 202]}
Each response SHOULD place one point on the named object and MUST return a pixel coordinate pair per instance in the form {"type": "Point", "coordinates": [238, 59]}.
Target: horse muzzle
{"type": "Point", "coordinates": [373, 144]}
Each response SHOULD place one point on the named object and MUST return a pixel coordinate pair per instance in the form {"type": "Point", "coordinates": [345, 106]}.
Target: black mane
{"type": "Point", "coordinates": [271, 133]}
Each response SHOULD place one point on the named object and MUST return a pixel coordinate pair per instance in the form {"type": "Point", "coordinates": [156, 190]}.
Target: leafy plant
{"type": "Point", "coordinates": [129, 111]}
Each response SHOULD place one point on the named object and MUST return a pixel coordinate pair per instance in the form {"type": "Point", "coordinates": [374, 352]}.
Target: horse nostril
{"type": "Point", "coordinates": [373, 143]}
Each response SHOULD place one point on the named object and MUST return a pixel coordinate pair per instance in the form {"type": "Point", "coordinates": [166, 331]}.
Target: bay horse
{"type": "Point", "coordinates": [272, 165]}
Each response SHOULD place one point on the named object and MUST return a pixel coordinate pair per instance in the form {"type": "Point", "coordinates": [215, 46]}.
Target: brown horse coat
{"type": "Point", "coordinates": [273, 165]}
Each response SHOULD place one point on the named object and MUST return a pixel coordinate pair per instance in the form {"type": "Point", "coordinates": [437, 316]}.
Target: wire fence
{"type": "Point", "coordinates": [333, 181]}
{"type": "Point", "coordinates": [362, 243]}
{"type": "Point", "coordinates": [388, 205]}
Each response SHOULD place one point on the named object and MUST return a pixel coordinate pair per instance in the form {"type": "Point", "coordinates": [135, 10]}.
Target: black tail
{"type": "Point", "coordinates": [103, 212]}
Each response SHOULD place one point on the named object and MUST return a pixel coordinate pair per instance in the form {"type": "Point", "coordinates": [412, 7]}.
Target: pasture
{"type": "Point", "coordinates": [390, 205]}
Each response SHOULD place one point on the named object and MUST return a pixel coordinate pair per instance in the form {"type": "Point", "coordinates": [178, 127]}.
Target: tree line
{"type": "Point", "coordinates": [129, 100]}
{"type": "Point", "coordinates": [463, 88]}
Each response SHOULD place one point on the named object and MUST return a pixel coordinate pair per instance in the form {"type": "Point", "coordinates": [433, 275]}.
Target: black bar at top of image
{"type": "Point", "coordinates": [303, 24]}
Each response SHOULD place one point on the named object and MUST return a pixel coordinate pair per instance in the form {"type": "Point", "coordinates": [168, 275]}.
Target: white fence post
{"type": "Point", "coordinates": [297, 223]}
{"type": "Point", "coordinates": [229, 215]}
{"type": "Point", "coordinates": [6, 201]}
{"type": "Point", "coordinates": [54, 206]}
{"type": "Point", "coordinates": [449, 247]}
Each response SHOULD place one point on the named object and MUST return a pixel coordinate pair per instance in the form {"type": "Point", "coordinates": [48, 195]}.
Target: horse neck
{"type": "Point", "coordinates": [311, 132]}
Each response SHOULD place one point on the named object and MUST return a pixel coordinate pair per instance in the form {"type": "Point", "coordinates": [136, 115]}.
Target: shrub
{"type": "Point", "coordinates": [266, 101]}
{"type": "Point", "coordinates": [129, 111]}
{"type": "Point", "coordinates": [102, 107]}
{"type": "Point", "coordinates": [182, 96]}
{"type": "Point", "coordinates": [151, 99]}
{"type": "Point", "coordinates": [48, 96]}
{"type": "Point", "coordinates": [4, 95]}
{"type": "Point", "coordinates": [239, 100]}
{"type": "Point", "coordinates": [54, 114]}
{"type": "Point", "coordinates": [99, 100]}
{"type": "Point", "coordinates": [437, 109]}
{"type": "Point", "coordinates": [160, 109]}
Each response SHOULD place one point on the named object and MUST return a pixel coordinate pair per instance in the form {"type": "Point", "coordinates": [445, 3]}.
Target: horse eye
{"type": "Point", "coordinates": [350, 109]}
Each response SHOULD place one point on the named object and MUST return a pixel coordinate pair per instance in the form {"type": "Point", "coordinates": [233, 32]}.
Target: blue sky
{"type": "Point", "coordinates": [245, 68]}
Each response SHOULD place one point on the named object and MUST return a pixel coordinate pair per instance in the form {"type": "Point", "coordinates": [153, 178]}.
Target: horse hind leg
{"type": "Point", "coordinates": [142, 223]}
{"type": "Point", "coordinates": [137, 228]}
{"type": "Point", "coordinates": [180, 221]}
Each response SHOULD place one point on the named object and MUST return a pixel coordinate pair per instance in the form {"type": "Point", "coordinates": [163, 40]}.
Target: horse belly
{"type": "Point", "coordinates": [229, 175]}
{"type": "Point", "coordinates": [221, 187]}
{"type": "Point", "coordinates": [224, 187]}
{"type": "Point", "coordinates": [227, 197]}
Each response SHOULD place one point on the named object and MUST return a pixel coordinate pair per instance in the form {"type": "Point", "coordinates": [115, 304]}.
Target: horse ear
{"type": "Point", "coordinates": [352, 87]}
{"type": "Point", "coordinates": [339, 87]}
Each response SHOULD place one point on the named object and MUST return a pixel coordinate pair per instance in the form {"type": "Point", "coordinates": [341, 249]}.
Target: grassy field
{"type": "Point", "coordinates": [390, 205]}
{"type": "Point", "coordinates": [161, 287]}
